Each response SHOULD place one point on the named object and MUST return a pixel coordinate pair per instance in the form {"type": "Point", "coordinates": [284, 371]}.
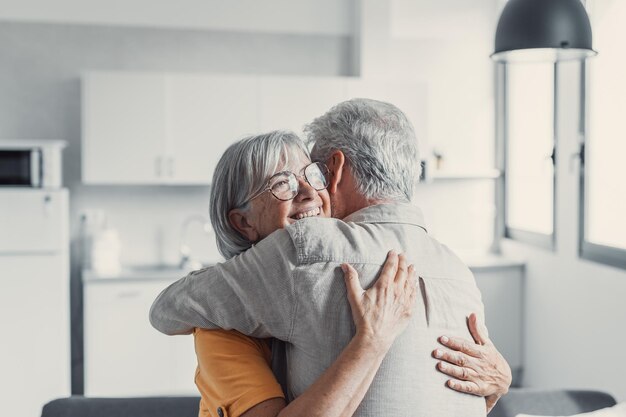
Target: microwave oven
{"type": "Point", "coordinates": [31, 163]}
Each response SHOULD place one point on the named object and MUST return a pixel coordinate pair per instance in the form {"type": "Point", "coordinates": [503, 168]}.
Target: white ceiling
{"type": "Point", "coordinates": [443, 19]}
{"type": "Point", "coordinates": [332, 17]}
{"type": "Point", "coordinates": [410, 19]}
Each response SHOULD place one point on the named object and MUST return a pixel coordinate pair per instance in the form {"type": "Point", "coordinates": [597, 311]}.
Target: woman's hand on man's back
{"type": "Point", "coordinates": [382, 312]}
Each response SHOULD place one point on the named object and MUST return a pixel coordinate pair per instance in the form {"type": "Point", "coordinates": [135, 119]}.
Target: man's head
{"type": "Point", "coordinates": [371, 150]}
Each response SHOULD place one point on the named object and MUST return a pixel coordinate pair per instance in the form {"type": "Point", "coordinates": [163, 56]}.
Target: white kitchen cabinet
{"type": "Point", "coordinates": [205, 114]}
{"type": "Point", "coordinates": [35, 347]}
{"type": "Point", "coordinates": [146, 128]}
{"type": "Point", "coordinates": [34, 300]}
{"type": "Point", "coordinates": [124, 355]}
{"type": "Point", "coordinates": [162, 128]}
{"type": "Point", "coordinates": [123, 128]}
{"type": "Point", "coordinates": [288, 103]}
{"type": "Point", "coordinates": [29, 221]}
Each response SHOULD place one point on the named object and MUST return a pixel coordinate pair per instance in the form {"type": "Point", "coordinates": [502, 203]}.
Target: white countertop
{"type": "Point", "coordinates": [491, 261]}
{"type": "Point", "coordinates": [143, 273]}
{"type": "Point", "coordinates": [32, 143]}
{"type": "Point", "coordinates": [172, 273]}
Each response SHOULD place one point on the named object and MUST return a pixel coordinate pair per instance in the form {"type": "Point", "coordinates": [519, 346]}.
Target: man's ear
{"type": "Point", "coordinates": [239, 220]}
{"type": "Point", "coordinates": [335, 164]}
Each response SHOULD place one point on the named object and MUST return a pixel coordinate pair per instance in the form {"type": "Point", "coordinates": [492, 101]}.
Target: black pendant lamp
{"type": "Point", "coordinates": [543, 30]}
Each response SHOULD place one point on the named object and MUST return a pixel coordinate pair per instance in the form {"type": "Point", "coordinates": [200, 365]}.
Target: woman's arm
{"type": "Point", "coordinates": [233, 372]}
{"type": "Point", "coordinates": [380, 314]}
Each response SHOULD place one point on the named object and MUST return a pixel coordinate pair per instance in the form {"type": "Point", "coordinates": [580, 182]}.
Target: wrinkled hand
{"type": "Point", "coordinates": [383, 311]}
{"type": "Point", "coordinates": [477, 368]}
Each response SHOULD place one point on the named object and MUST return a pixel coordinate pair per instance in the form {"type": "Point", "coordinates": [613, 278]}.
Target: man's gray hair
{"type": "Point", "coordinates": [377, 140]}
{"type": "Point", "coordinates": [241, 173]}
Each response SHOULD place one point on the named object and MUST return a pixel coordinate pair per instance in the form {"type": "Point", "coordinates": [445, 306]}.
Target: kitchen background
{"type": "Point", "coordinates": [563, 309]}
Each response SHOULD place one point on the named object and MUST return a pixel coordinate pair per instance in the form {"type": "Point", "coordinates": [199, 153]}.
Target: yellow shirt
{"type": "Point", "coordinates": [233, 372]}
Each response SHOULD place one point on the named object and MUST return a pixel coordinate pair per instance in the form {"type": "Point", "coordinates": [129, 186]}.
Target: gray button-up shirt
{"type": "Point", "coordinates": [290, 286]}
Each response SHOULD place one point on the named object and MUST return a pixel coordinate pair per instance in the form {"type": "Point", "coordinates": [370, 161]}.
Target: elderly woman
{"type": "Point", "coordinates": [266, 182]}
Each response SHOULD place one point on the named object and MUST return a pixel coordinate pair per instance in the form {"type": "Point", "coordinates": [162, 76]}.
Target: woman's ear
{"type": "Point", "coordinates": [335, 164]}
{"type": "Point", "coordinates": [239, 220]}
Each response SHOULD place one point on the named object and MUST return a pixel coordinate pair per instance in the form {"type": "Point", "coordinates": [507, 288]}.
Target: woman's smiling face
{"type": "Point", "coordinates": [267, 213]}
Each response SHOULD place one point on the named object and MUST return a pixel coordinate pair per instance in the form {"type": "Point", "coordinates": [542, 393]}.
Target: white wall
{"type": "Point", "coordinates": [432, 42]}
{"type": "Point", "coordinates": [575, 314]}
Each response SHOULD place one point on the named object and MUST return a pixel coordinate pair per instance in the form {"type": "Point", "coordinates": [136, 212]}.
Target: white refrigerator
{"type": "Point", "coordinates": [34, 299]}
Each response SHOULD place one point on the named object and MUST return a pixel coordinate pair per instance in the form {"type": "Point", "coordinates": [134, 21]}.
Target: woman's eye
{"type": "Point", "coordinates": [281, 184]}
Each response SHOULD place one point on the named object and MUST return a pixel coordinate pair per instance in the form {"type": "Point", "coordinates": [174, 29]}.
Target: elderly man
{"type": "Point", "coordinates": [370, 149]}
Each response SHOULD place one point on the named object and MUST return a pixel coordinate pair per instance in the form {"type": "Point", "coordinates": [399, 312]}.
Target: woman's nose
{"type": "Point", "coordinates": [305, 191]}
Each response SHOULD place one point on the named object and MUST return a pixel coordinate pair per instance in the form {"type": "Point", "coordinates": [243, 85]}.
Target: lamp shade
{"type": "Point", "coordinates": [543, 30]}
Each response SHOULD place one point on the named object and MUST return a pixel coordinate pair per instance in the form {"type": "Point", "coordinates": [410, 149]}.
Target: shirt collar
{"type": "Point", "coordinates": [389, 213]}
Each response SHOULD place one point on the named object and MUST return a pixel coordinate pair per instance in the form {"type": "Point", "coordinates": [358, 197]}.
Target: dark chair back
{"type": "Point", "coordinates": [79, 406]}
{"type": "Point", "coordinates": [550, 402]}
{"type": "Point", "coordinates": [518, 400]}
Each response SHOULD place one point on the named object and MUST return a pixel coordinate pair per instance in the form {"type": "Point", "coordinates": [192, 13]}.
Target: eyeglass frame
{"type": "Point", "coordinates": [323, 169]}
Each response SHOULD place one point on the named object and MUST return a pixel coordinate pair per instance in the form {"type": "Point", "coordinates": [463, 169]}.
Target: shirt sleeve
{"type": "Point", "coordinates": [252, 293]}
{"type": "Point", "coordinates": [233, 372]}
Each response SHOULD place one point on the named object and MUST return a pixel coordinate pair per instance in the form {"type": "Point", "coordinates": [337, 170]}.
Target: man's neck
{"type": "Point", "coordinates": [361, 202]}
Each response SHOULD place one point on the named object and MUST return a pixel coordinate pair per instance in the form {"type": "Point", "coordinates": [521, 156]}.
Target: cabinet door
{"type": "Point", "coordinates": [290, 103]}
{"type": "Point", "coordinates": [124, 355]}
{"type": "Point", "coordinates": [35, 321]}
{"type": "Point", "coordinates": [206, 114]}
{"type": "Point", "coordinates": [502, 290]}
{"type": "Point", "coordinates": [123, 128]}
{"type": "Point", "coordinates": [33, 221]}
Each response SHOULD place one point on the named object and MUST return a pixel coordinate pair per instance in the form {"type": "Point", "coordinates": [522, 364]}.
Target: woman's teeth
{"type": "Point", "coordinates": [309, 213]}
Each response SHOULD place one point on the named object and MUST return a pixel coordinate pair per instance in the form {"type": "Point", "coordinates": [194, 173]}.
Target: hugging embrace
{"type": "Point", "coordinates": [333, 299]}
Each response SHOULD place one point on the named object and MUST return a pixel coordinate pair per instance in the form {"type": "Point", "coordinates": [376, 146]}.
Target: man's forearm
{"type": "Point", "coordinates": [171, 313]}
{"type": "Point", "coordinates": [234, 294]}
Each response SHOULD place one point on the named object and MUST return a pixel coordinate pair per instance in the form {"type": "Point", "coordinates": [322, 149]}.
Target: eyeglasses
{"type": "Point", "coordinates": [285, 185]}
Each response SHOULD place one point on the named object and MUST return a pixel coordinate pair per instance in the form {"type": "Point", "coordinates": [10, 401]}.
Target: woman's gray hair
{"type": "Point", "coordinates": [378, 141]}
{"type": "Point", "coordinates": [243, 171]}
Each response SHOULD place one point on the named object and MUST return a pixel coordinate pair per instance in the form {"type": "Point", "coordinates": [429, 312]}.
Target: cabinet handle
{"type": "Point", "coordinates": [158, 165]}
{"type": "Point", "coordinates": [47, 205]}
{"type": "Point", "coordinates": [170, 166]}
{"type": "Point", "coordinates": [128, 294]}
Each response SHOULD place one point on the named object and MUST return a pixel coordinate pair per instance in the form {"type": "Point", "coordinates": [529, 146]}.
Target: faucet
{"type": "Point", "coordinates": [187, 262]}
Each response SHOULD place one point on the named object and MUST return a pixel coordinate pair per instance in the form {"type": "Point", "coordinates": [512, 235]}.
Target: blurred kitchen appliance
{"type": "Point", "coordinates": [34, 299]}
{"type": "Point", "coordinates": [101, 245]}
{"type": "Point", "coordinates": [31, 163]}
{"type": "Point", "coordinates": [186, 261]}
{"type": "Point", "coordinates": [105, 253]}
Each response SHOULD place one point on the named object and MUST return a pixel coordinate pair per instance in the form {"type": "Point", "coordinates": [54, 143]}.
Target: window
{"type": "Point", "coordinates": [529, 153]}
{"type": "Point", "coordinates": [603, 197]}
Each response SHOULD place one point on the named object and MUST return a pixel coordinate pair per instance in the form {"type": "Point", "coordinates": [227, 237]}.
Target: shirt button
{"type": "Point", "coordinates": [220, 412]}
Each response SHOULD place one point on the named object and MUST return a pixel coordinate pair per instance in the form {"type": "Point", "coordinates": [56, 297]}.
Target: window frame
{"type": "Point", "coordinates": [541, 240]}
{"type": "Point", "coordinates": [607, 255]}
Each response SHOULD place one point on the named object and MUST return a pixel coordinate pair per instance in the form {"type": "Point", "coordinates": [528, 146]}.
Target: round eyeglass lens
{"type": "Point", "coordinates": [316, 176]}
{"type": "Point", "coordinates": [284, 186]}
